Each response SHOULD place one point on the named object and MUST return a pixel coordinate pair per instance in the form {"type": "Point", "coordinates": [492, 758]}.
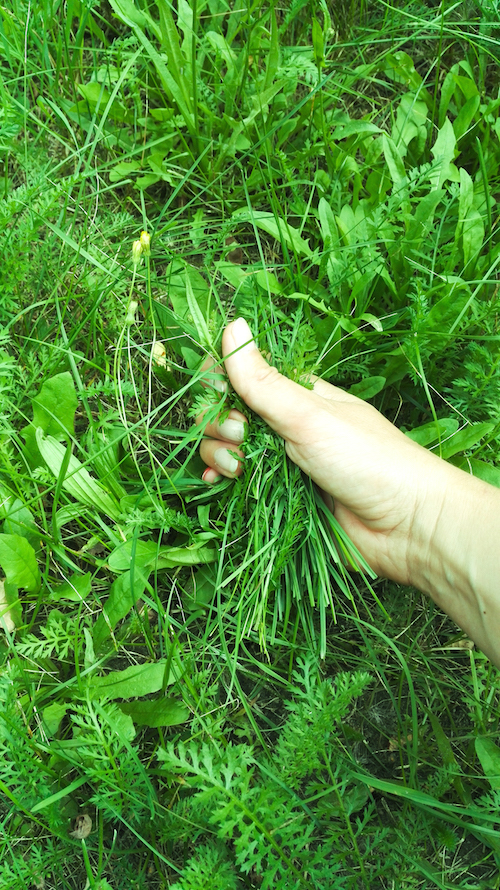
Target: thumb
{"type": "Point", "coordinates": [281, 402]}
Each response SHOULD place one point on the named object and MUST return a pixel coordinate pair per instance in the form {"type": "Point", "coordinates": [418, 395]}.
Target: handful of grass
{"type": "Point", "coordinates": [283, 547]}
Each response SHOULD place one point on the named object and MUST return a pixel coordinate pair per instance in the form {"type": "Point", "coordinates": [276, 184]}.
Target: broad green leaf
{"type": "Point", "coordinates": [198, 317]}
{"type": "Point", "coordinates": [131, 15]}
{"type": "Point", "coordinates": [331, 236]}
{"type": "Point", "coordinates": [78, 482]}
{"type": "Point", "coordinates": [465, 201]}
{"type": "Point", "coordinates": [237, 276]}
{"type": "Point", "coordinates": [480, 468]}
{"type": "Point", "coordinates": [124, 170]}
{"type": "Point", "coordinates": [443, 152]}
{"type": "Point", "coordinates": [18, 519]}
{"type": "Point", "coordinates": [98, 99]}
{"type": "Point", "coordinates": [410, 124]}
{"type": "Point", "coordinates": [134, 681]}
{"type": "Point", "coordinates": [203, 589]}
{"type": "Point", "coordinates": [143, 553]}
{"type": "Point", "coordinates": [11, 615]}
{"type": "Point", "coordinates": [157, 712]}
{"type": "Point", "coordinates": [466, 438]}
{"type": "Point", "coordinates": [179, 62]}
{"type": "Point", "coordinates": [328, 225]}
{"type": "Point", "coordinates": [76, 589]}
{"type": "Point", "coordinates": [472, 236]}
{"type": "Point", "coordinates": [355, 128]}
{"type": "Point", "coordinates": [422, 220]}
{"type": "Point", "coordinates": [122, 723]}
{"type": "Point", "coordinates": [448, 756]}
{"type": "Point", "coordinates": [433, 432]}
{"type": "Point", "coordinates": [273, 53]}
{"type": "Point", "coordinates": [399, 66]}
{"type": "Point", "coordinates": [466, 194]}
{"type": "Point", "coordinates": [443, 316]}
{"type": "Point", "coordinates": [489, 757]}
{"type": "Point", "coordinates": [372, 319]}
{"type": "Point", "coordinates": [176, 276]}
{"type": "Point", "coordinates": [53, 412]}
{"type": "Point", "coordinates": [124, 593]}
{"type": "Point", "coordinates": [318, 42]}
{"type": "Point", "coordinates": [219, 43]}
{"type": "Point", "coordinates": [367, 388]}
{"type": "Point", "coordinates": [52, 717]}
{"type": "Point", "coordinates": [268, 282]}
{"type": "Point", "coordinates": [394, 163]}
{"type": "Point", "coordinates": [18, 562]}
{"type": "Point", "coordinates": [276, 227]}
{"type": "Point", "coordinates": [148, 554]}
{"type": "Point", "coordinates": [447, 90]}
{"type": "Point", "coordinates": [465, 116]}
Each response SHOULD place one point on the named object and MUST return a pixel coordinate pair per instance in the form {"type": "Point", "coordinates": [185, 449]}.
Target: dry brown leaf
{"type": "Point", "coordinates": [83, 827]}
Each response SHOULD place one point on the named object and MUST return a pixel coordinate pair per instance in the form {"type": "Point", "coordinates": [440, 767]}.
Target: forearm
{"type": "Point", "coordinates": [456, 556]}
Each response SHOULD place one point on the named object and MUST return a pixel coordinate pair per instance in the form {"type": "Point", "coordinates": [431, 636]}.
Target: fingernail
{"type": "Point", "coordinates": [214, 377]}
{"type": "Point", "coordinates": [225, 460]}
{"type": "Point", "coordinates": [210, 476]}
{"type": "Point", "coordinates": [219, 384]}
{"type": "Point", "coordinates": [234, 430]}
{"type": "Point", "coordinates": [243, 336]}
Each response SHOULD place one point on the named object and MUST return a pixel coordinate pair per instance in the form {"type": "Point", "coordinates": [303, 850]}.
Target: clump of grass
{"type": "Point", "coordinates": [284, 547]}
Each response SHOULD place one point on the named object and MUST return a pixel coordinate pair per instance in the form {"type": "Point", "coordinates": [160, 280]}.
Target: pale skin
{"type": "Point", "coordinates": [416, 519]}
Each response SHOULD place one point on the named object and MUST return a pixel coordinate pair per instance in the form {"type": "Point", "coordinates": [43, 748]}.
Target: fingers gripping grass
{"type": "Point", "coordinates": [288, 551]}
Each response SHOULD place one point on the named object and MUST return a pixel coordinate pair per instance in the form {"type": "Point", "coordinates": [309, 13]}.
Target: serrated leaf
{"type": "Point", "coordinates": [18, 561]}
{"type": "Point", "coordinates": [78, 482]}
{"type": "Point", "coordinates": [157, 712]}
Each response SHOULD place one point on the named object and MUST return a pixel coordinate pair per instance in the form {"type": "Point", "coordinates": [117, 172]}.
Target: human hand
{"type": "Point", "coordinates": [414, 517]}
{"type": "Point", "coordinates": [378, 478]}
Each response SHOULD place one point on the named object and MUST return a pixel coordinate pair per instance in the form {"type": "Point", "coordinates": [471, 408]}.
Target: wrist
{"type": "Point", "coordinates": [454, 553]}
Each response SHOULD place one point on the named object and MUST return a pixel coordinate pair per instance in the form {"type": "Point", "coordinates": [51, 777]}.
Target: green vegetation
{"type": "Point", "coordinates": [195, 669]}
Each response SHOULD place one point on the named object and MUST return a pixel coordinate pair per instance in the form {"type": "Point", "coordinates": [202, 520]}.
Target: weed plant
{"type": "Point", "coordinates": [197, 670]}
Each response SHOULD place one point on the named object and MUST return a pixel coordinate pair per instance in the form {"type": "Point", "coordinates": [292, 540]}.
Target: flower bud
{"type": "Point", "coordinates": [146, 243]}
{"type": "Point", "coordinates": [136, 252]}
{"type": "Point", "coordinates": [132, 306]}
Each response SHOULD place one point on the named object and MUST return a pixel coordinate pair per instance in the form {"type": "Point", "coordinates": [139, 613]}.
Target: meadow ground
{"type": "Point", "coordinates": [194, 690]}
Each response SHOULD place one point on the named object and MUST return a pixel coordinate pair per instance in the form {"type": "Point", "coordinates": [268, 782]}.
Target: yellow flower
{"type": "Point", "coordinates": [159, 354]}
{"type": "Point", "coordinates": [146, 243]}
